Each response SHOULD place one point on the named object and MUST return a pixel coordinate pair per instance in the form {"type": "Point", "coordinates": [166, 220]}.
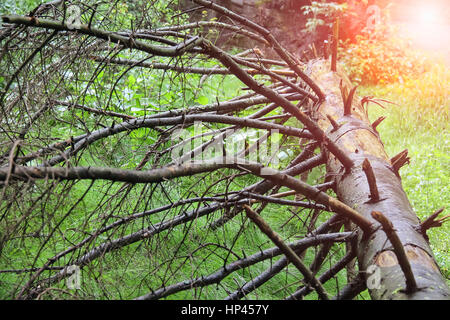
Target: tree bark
{"type": "Point", "coordinates": [373, 170]}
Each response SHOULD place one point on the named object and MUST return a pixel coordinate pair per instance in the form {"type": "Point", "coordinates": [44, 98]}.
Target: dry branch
{"type": "Point", "coordinates": [236, 265]}
{"type": "Point", "coordinates": [105, 35]}
{"type": "Point", "coordinates": [288, 252]}
{"type": "Point", "coordinates": [411, 285]}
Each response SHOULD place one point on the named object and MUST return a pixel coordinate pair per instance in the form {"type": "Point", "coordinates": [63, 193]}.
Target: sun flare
{"type": "Point", "coordinates": [426, 15]}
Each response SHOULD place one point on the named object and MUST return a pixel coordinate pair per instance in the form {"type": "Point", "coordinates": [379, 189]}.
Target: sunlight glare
{"type": "Point", "coordinates": [425, 24]}
{"type": "Point", "coordinates": [427, 15]}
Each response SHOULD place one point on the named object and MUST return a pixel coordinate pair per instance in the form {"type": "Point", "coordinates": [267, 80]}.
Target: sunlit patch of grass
{"type": "Point", "coordinates": [420, 123]}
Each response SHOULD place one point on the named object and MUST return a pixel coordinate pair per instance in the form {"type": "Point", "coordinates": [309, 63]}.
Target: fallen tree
{"type": "Point", "coordinates": [373, 188]}
{"type": "Point", "coordinates": [68, 138]}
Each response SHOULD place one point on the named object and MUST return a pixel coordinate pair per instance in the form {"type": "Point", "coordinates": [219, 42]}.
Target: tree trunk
{"type": "Point", "coordinates": [352, 131]}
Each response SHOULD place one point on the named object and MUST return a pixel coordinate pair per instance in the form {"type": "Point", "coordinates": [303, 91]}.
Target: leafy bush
{"type": "Point", "coordinates": [371, 56]}
{"type": "Point", "coordinates": [379, 56]}
{"type": "Point", "coordinates": [322, 14]}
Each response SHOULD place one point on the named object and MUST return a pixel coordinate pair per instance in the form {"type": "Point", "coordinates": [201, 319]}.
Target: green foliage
{"type": "Point", "coordinates": [18, 7]}
{"type": "Point", "coordinates": [374, 56]}
{"type": "Point", "coordinates": [379, 56]}
{"type": "Point", "coordinates": [322, 13]}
